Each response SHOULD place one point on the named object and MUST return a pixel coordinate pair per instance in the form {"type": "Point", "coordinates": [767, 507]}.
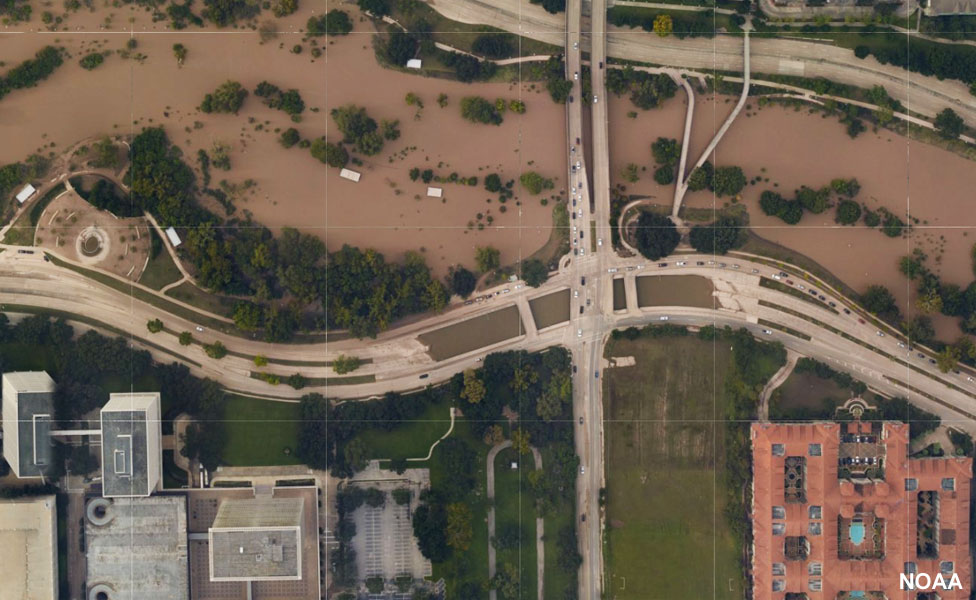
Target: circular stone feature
{"type": "Point", "coordinates": [92, 244]}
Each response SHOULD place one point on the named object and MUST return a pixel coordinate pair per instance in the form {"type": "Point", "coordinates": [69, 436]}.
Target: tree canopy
{"type": "Point", "coordinates": [656, 235]}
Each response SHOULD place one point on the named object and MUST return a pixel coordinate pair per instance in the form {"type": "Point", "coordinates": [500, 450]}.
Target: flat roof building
{"type": "Point", "coordinates": [257, 539]}
{"type": "Point", "coordinates": [29, 548]}
{"type": "Point", "coordinates": [173, 237]}
{"type": "Point", "coordinates": [24, 194]}
{"type": "Point", "coordinates": [839, 510]}
{"type": "Point", "coordinates": [28, 408]}
{"type": "Point", "coordinates": [350, 175]}
{"type": "Point", "coordinates": [131, 445]}
{"type": "Point", "coordinates": [137, 548]}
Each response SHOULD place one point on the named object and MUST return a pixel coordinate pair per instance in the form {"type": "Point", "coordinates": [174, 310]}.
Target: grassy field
{"type": "Point", "coordinates": [412, 439]}
{"type": "Point", "coordinates": [22, 231]}
{"type": "Point", "coordinates": [806, 390]}
{"type": "Point", "coordinates": [666, 533]}
{"type": "Point", "coordinates": [161, 269]}
{"type": "Point", "coordinates": [515, 505]}
{"type": "Point", "coordinates": [191, 294]}
{"type": "Point", "coordinates": [474, 562]}
{"type": "Point", "coordinates": [260, 432]}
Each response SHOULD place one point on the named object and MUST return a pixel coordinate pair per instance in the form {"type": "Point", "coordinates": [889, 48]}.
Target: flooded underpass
{"type": "Point", "coordinates": [550, 309]}
{"type": "Point", "coordinates": [469, 335]}
{"type": "Point", "coordinates": [673, 290]}
{"type": "Point", "coordinates": [619, 294]}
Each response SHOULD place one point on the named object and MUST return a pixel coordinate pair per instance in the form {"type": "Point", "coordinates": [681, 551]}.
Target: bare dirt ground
{"type": "Point", "coordinates": [794, 148]}
{"type": "Point", "coordinates": [385, 210]}
{"type": "Point", "coordinates": [124, 242]}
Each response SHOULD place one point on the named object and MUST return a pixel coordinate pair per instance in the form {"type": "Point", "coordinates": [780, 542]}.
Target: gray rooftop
{"type": "Point", "coordinates": [130, 442]}
{"type": "Point", "coordinates": [28, 408]}
{"type": "Point", "coordinates": [950, 7]}
{"type": "Point", "coordinates": [141, 553]}
{"type": "Point", "coordinates": [257, 539]}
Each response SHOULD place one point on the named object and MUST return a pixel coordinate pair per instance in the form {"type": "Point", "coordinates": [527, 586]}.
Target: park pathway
{"type": "Point", "coordinates": [539, 523]}
{"type": "Point", "coordinates": [774, 382]}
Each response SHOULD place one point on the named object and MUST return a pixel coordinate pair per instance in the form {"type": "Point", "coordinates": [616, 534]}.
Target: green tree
{"type": "Point", "coordinates": [91, 60]}
{"type": "Point", "coordinates": [878, 300]}
{"type": "Point", "coordinates": [506, 581]}
{"type": "Point", "coordinates": [948, 123]}
{"type": "Point", "coordinates": [260, 360]}
{"type": "Point", "coordinates": [487, 258]}
{"type": "Point", "coordinates": [848, 212]}
{"type": "Point", "coordinates": [656, 235]}
{"type": "Point", "coordinates": [400, 47]}
{"type": "Point", "coordinates": [555, 397]}
{"type": "Point", "coordinates": [334, 155]}
{"type": "Point", "coordinates": [663, 26]}
{"type": "Point", "coordinates": [461, 281]}
{"type": "Point", "coordinates": [728, 181]}
{"type": "Point", "coordinates": [630, 173]}
{"type": "Point", "coordinates": [535, 183]}
{"type": "Point", "coordinates": [521, 441]}
{"type": "Point", "coordinates": [228, 98]}
{"type": "Point", "coordinates": [379, 8]}
{"type": "Point", "coordinates": [664, 175]}
{"type": "Point", "coordinates": [334, 22]}
{"type": "Point", "coordinates": [813, 200]}
{"type": "Point", "coordinates": [106, 153]}
{"type": "Point", "coordinates": [154, 326]}
{"type": "Point", "coordinates": [479, 110]}
{"type": "Point", "coordinates": [493, 183]}
{"type": "Point", "coordinates": [474, 388]}
{"type": "Point", "coordinates": [179, 51]}
{"type": "Point", "coordinates": [948, 358]}
{"type": "Point", "coordinates": [289, 137]}
{"type": "Point", "coordinates": [701, 177]}
{"type": "Point", "coordinates": [248, 315]}
{"type": "Point", "coordinates": [534, 272]}
{"type": "Point", "coordinates": [719, 237]}
{"type": "Point", "coordinates": [666, 151]}
{"type": "Point", "coordinates": [215, 350]}
{"type": "Point", "coordinates": [459, 531]}
{"type": "Point", "coordinates": [283, 8]}
{"type": "Point", "coordinates": [345, 364]}
{"type": "Point", "coordinates": [920, 330]}
{"type": "Point", "coordinates": [186, 338]}
{"type": "Point", "coordinates": [929, 302]}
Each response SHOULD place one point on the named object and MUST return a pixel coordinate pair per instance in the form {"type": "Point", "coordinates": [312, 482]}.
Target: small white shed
{"type": "Point", "coordinates": [24, 194]}
{"type": "Point", "coordinates": [434, 192]}
{"type": "Point", "coordinates": [350, 175]}
{"type": "Point", "coordinates": [414, 63]}
{"type": "Point", "coordinates": [173, 237]}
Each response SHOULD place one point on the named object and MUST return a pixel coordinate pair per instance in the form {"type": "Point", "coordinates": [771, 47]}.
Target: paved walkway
{"type": "Point", "coordinates": [539, 522]}
{"type": "Point", "coordinates": [774, 382]}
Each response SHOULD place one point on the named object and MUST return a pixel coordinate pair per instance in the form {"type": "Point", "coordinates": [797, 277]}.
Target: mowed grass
{"type": "Point", "coordinates": [410, 439]}
{"type": "Point", "coordinates": [515, 505]}
{"type": "Point", "coordinates": [666, 533]}
{"type": "Point", "coordinates": [161, 270]}
{"type": "Point", "coordinates": [260, 432]}
{"type": "Point", "coordinates": [806, 390]}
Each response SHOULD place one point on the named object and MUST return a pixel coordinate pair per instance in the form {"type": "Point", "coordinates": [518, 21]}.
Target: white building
{"type": "Point", "coordinates": [25, 194]}
{"type": "Point", "coordinates": [131, 445]}
{"type": "Point", "coordinates": [29, 548]}
{"type": "Point", "coordinates": [173, 237]}
{"type": "Point", "coordinates": [435, 192]}
{"type": "Point", "coordinates": [414, 63]}
{"type": "Point", "coordinates": [350, 175]}
{"type": "Point", "coordinates": [28, 408]}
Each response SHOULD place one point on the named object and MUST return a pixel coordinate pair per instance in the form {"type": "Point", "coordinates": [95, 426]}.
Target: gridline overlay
{"type": "Point", "coordinates": [312, 213]}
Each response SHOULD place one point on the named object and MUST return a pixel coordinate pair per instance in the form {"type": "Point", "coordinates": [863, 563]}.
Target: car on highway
{"type": "Point", "coordinates": [847, 311]}
{"type": "Point", "coordinates": [582, 280]}
{"type": "Point", "coordinates": [200, 329]}
{"type": "Point", "coordinates": [579, 333]}
{"type": "Point", "coordinates": [612, 270]}
{"type": "Point", "coordinates": [662, 264]}
{"type": "Point", "coordinates": [681, 263]}
{"type": "Point", "coordinates": [599, 241]}
{"type": "Point", "coordinates": [575, 45]}
{"type": "Point", "coordinates": [789, 282]}
{"type": "Point", "coordinates": [920, 355]}
{"type": "Point", "coordinates": [775, 276]}
{"type": "Point", "coordinates": [813, 292]}
{"type": "Point", "coordinates": [576, 75]}
{"type": "Point", "coordinates": [901, 345]}
{"type": "Point", "coordinates": [822, 298]}
{"type": "Point", "coordinates": [664, 318]}
{"type": "Point", "coordinates": [860, 320]}
{"type": "Point", "coordinates": [594, 99]}
{"type": "Point", "coordinates": [601, 64]}
{"type": "Point", "coordinates": [755, 270]}
{"type": "Point", "coordinates": [932, 360]}
{"type": "Point", "coordinates": [700, 263]}
{"type": "Point", "coordinates": [596, 374]}
{"type": "Point", "coordinates": [880, 333]}
{"type": "Point", "coordinates": [832, 304]}
{"type": "Point", "coordinates": [767, 331]}
{"type": "Point", "coordinates": [801, 287]}
{"type": "Point", "coordinates": [735, 266]}
{"type": "Point", "coordinates": [575, 293]}
{"type": "Point", "coordinates": [582, 251]}
{"type": "Point", "coordinates": [425, 376]}
{"type": "Point", "coordinates": [582, 469]}
{"type": "Point", "coordinates": [581, 212]}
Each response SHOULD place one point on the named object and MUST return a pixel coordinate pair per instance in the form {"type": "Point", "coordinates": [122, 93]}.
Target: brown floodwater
{"type": "Point", "coordinates": [471, 334]}
{"type": "Point", "coordinates": [385, 210]}
{"type": "Point", "coordinates": [674, 290]}
{"type": "Point", "coordinates": [550, 309]}
{"type": "Point", "coordinates": [794, 148]}
{"type": "Point", "coordinates": [619, 294]}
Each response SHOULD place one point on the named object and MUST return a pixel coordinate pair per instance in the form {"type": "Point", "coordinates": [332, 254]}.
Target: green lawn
{"type": "Point", "coordinates": [21, 232]}
{"type": "Point", "coordinates": [260, 432]}
{"type": "Point", "coordinates": [472, 564]}
{"type": "Point", "coordinates": [410, 439]}
{"type": "Point", "coordinates": [515, 505]}
{"type": "Point", "coordinates": [161, 270]}
{"type": "Point", "coordinates": [666, 532]}
{"type": "Point", "coordinates": [191, 294]}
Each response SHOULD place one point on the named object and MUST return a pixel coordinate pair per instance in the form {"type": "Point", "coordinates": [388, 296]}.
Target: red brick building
{"type": "Point", "coordinates": [839, 511]}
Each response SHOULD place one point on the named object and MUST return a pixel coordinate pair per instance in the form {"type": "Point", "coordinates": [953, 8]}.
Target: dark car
{"type": "Point", "coordinates": [582, 280]}
{"type": "Point", "coordinates": [574, 368]}
{"type": "Point", "coordinates": [570, 98]}
{"type": "Point", "coordinates": [596, 375]}
{"type": "Point", "coordinates": [832, 304]}
{"type": "Point", "coordinates": [581, 420]}
{"type": "Point", "coordinates": [813, 293]}
{"type": "Point", "coordinates": [920, 355]}
{"type": "Point", "coordinates": [700, 263]}
{"type": "Point", "coordinates": [601, 64]}
{"type": "Point", "coordinates": [577, 141]}
{"type": "Point", "coordinates": [425, 376]}
{"type": "Point", "coordinates": [847, 311]}
{"type": "Point", "coordinates": [662, 264]}
{"type": "Point", "coordinates": [932, 360]}
{"type": "Point", "coordinates": [581, 310]}
{"type": "Point", "coordinates": [583, 518]}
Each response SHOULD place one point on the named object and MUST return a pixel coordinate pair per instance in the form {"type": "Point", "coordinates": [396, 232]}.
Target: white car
{"type": "Point", "coordinates": [612, 270]}
{"type": "Point", "coordinates": [775, 276]}
{"type": "Point", "coordinates": [582, 469]}
{"type": "Point", "coordinates": [579, 333]}
{"type": "Point", "coordinates": [901, 345]}
{"type": "Point", "coordinates": [575, 293]}
{"type": "Point", "coordinates": [575, 45]}
{"type": "Point", "coordinates": [577, 164]}
{"type": "Point", "coordinates": [880, 333]}
{"type": "Point", "coordinates": [576, 75]}
{"type": "Point", "coordinates": [799, 286]}
{"type": "Point", "coordinates": [200, 329]}
{"type": "Point", "coordinates": [506, 291]}
{"type": "Point", "coordinates": [582, 251]}
{"type": "Point", "coordinates": [664, 317]}
{"type": "Point", "coordinates": [599, 241]}
{"type": "Point", "coordinates": [767, 332]}
{"type": "Point", "coordinates": [594, 99]}
{"type": "Point", "coordinates": [580, 213]}
{"type": "Point", "coordinates": [681, 263]}
{"type": "Point", "coordinates": [518, 286]}
{"type": "Point", "coordinates": [640, 267]}
{"type": "Point", "coordinates": [574, 228]}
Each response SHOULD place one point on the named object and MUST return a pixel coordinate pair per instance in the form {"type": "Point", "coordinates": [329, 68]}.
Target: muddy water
{"type": "Point", "coordinates": [793, 148]}
{"type": "Point", "coordinates": [674, 290]}
{"type": "Point", "coordinates": [385, 210]}
{"type": "Point", "coordinates": [472, 334]}
{"type": "Point", "coordinates": [550, 309]}
{"type": "Point", "coordinates": [619, 294]}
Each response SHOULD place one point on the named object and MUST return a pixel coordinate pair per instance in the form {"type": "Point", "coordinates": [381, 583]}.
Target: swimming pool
{"type": "Point", "coordinates": [856, 533]}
